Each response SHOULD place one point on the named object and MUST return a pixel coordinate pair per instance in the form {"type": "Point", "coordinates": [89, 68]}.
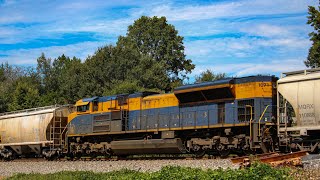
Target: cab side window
{"type": "Point", "coordinates": [83, 108]}
{"type": "Point", "coordinates": [95, 106]}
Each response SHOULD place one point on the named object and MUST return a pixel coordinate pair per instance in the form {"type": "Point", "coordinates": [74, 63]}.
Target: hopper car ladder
{"type": "Point", "coordinates": [56, 133]}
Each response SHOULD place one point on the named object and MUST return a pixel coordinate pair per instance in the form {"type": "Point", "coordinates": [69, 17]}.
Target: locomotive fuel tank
{"type": "Point", "coordinates": [28, 131]}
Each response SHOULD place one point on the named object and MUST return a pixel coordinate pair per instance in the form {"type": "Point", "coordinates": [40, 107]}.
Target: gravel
{"type": "Point", "coordinates": [311, 166]}
{"type": "Point", "coordinates": [46, 167]}
{"type": "Point", "coordinates": [311, 161]}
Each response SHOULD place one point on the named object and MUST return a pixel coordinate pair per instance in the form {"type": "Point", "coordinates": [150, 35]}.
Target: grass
{"type": "Point", "coordinates": [257, 171]}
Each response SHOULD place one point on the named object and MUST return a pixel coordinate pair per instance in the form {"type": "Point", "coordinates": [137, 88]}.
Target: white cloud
{"type": "Point", "coordinates": [244, 47]}
{"type": "Point", "coordinates": [29, 56]}
{"type": "Point", "coordinates": [194, 12]}
{"type": "Point", "coordinates": [269, 67]}
{"type": "Point", "coordinates": [266, 30]}
{"type": "Point", "coordinates": [293, 42]}
{"type": "Point", "coordinates": [231, 9]}
{"type": "Point", "coordinates": [5, 32]}
{"type": "Point", "coordinates": [108, 27]}
{"type": "Point", "coordinates": [222, 47]}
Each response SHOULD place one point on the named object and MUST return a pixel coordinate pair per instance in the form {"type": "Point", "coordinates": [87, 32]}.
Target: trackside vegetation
{"type": "Point", "coordinates": [257, 171]}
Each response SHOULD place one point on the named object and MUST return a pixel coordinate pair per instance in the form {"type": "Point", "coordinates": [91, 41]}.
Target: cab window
{"type": "Point", "coordinates": [95, 106]}
{"type": "Point", "coordinates": [83, 108]}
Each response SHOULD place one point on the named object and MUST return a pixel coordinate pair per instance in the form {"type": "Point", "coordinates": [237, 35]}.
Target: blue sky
{"type": "Point", "coordinates": [244, 37]}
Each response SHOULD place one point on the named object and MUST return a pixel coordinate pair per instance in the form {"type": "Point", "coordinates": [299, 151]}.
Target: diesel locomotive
{"type": "Point", "coordinates": [254, 114]}
{"type": "Point", "coordinates": [210, 117]}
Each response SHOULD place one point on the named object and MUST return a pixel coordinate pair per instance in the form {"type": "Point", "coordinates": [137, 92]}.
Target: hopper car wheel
{"type": "Point", "coordinates": [7, 155]}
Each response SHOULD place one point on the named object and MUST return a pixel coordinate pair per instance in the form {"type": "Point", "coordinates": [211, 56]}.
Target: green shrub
{"type": "Point", "coordinates": [257, 171]}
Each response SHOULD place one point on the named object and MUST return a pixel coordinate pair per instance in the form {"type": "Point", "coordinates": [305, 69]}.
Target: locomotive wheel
{"type": "Point", "coordinates": [247, 151]}
{"type": "Point", "coordinates": [122, 156]}
{"type": "Point", "coordinates": [93, 155]}
{"type": "Point", "coordinates": [77, 155]}
{"type": "Point", "coordinates": [199, 153]}
{"type": "Point", "coordinates": [224, 152]}
{"type": "Point", "coordinates": [107, 155]}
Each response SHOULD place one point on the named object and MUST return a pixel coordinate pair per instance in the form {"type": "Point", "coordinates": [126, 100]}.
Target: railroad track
{"type": "Point", "coordinates": [274, 159]}
{"type": "Point", "coordinates": [115, 158]}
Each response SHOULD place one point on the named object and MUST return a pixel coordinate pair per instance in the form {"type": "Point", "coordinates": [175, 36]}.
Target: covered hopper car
{"type": "Point", "coordinates": [299, 110]}
{"type": "Point", "coordinates": [27, 132]}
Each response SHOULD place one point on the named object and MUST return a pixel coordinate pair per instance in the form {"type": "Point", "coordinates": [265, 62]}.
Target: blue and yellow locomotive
{"type": "Point", "coordinates": [209, 117]}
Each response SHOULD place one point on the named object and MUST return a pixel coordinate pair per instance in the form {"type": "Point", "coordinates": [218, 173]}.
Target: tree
{"type": "Point", "coordinates": [9, 75]}
{"type": "Point", "coordinates": [209, 75]}
{"type": "Point", "coordinates": [99, 71]}
{"type": "Point", "coordinates": [122, 87]}
{"type": "Point", "coordinates": [69, 79]}
{"type": "Point", "coordinates": [44, 69]}
{"type": "Point", "coordinates": [3, 90]}
{"type": "Point", "coordinates": [25, 95]}
{"type": "Point", "coordinates": [155, 38]}
{"type": "Point", "coordinates": [313, 59]}
{"type": "Point", "coordinates": [2, 76]}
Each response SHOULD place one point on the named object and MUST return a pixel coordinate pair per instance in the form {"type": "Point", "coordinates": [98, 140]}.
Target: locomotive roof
{"type": "Point", "coordinates": [225, 81]}
{"type": "Point", "coordinates": [258, 78]}
{"type": "Point", "coordinates": [103, 98]}
{"type": "Point", "coordinates": [142, 94]}
{"type": "Point", "coordinates": [204, 84]}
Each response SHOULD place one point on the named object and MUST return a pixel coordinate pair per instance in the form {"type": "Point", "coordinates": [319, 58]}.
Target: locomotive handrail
{"type": "Point", "coordinates": [250, 122]}
{"type": "Point", "coordinates": [64, 129]}
{"type": "Point", "coordinates": [264, 111]}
